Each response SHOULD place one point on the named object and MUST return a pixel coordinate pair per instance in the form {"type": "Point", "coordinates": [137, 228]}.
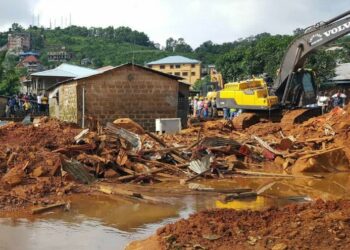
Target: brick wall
{"type": "Point", "coordinates": [129, 92]}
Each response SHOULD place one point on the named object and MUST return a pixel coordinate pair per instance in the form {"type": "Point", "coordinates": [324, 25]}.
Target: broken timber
{"type": "Point", "coordinates": [78, 171]}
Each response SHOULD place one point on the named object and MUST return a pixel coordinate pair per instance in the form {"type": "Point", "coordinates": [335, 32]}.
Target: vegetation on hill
{"type": "Point", "coordinates": [236, 60]}
{"type": "Point", "coordinates": [9, 75]}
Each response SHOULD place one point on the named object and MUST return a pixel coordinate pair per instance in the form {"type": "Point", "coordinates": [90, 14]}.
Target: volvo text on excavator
{"type": "Point", "coordinates": [294, 89]}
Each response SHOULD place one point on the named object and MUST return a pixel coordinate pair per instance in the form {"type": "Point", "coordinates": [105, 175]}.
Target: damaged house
{"type": "Point", "coordinates": [126, 91]}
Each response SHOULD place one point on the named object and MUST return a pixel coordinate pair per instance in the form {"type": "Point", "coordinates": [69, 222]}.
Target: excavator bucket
{"type": "Point", "coordinates": [292, 117]}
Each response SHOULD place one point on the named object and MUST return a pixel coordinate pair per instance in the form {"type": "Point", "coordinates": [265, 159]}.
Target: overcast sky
{"type": "Point", "coordinates": [194, 20]}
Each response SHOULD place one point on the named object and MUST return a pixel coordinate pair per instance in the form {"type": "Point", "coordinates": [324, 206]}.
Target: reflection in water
{"type": "Point", "coordinates": [251, 203]}
{"type": "Point", "coordinates": [97, 222]}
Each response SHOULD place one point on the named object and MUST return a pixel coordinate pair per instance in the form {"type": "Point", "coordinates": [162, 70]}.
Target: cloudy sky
{"type": "Point", "coordinates": [194, 20]}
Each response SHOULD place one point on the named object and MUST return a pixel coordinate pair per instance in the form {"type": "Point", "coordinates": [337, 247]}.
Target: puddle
{"type": "Point", "coordinates": [97, 222]}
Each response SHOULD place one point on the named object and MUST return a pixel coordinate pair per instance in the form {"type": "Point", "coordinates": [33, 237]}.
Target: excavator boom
{"type": "Point", "coordinates": [313, 38]}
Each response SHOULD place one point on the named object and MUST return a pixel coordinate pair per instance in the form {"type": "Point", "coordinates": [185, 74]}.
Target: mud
{"type": "Point", "coordinates": [302, 226]}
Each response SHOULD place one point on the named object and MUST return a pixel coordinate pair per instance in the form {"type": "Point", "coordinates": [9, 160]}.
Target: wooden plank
{"type": "Point", "coordinates": [78, 171]}
{"type": "Point", "coordinates": [47, 208]}
{"type": "Point", "coordinates": [174, 153]}
{"type": "Point", "coordinates": [162, 150]}
{"type": "Point", "coordinates": [130, 194]}
{"type": "Point", "coordinates": [320, 152]}
{"type": "Point", "coordinates": [198, 175]}
{"type": "Point", "coordinates": [162, 164]}
{"type": "Point", "coordinates": [244, 172]}
{"type": "Point", "coordinates": [131, 177]}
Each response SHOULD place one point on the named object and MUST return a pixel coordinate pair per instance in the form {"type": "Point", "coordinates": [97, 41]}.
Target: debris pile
{"type": "Point", "coordinates": [321, 224]}
{"type": "Point", "coordinates": [54, 158]}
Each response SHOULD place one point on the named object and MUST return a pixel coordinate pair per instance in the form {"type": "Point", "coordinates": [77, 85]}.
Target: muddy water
{"type": "Point", "coordinates": [98, 222]}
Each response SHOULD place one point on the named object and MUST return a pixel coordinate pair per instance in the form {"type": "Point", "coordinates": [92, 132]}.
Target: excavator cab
{"type": "Point", "coordinates": [301, 91]}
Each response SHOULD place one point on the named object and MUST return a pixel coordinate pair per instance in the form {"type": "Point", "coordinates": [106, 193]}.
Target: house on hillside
{"type": "Point", "coordinates": [59, 55]}
{"type": "Point", "coordinates": [43, 80]}
{"type": "Point", "coordinates": [187, 68]}
{"type": "Point", "coordinates": [23, 55]}
{"type": "Point", "coordinates": [31, 63]}
{"type": "Point", "coordinates": [126, 91]}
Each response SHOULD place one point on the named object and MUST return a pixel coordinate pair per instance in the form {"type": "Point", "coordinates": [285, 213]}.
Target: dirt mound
{"type": "Point", "coordinates": [50, 133]}
{"type": "Point", "coordinates": [321, 224]}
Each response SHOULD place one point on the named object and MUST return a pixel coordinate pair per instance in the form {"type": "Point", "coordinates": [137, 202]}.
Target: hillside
{"type": "Point", "coordinates": [238, 59]}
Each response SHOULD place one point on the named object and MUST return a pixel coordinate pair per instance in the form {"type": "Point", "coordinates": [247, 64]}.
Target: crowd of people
{"type": "Point", "coordinates": [24, 104]}
{"type": "Point", "coordinates": [203, 107]}
{"type": "Point", "coordinates": [207, 108]}
{"type": "Point", "coordinates": [328, 102]}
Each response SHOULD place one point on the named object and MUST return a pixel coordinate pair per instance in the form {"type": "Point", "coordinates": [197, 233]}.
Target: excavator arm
{"type": "Point", "coordinates": [294, 59]}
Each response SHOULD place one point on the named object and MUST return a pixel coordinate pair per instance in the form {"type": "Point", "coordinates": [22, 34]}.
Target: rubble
{"type": "Point", "coordinates": [123, 152]}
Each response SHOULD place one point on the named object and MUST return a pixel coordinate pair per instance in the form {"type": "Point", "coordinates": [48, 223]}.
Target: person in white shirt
{"type": "Point", "coordinates": [339, 99]}
{"type": "Point", "coordinates": [323, 101]}
{"type": "Point", "coordinates": [38, 100]}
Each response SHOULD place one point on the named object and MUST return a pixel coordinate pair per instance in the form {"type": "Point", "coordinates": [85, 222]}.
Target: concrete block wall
{"type": "Point", "coordinates": [129, 92]}
{"type": "Point", "coordinates": [68, 100]}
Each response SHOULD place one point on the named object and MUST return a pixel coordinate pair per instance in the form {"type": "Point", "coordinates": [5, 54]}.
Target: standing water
{"type": "Point", "coordinates": [99, 222]}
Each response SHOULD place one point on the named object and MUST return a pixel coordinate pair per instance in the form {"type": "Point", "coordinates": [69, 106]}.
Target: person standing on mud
{"type": "Point", "coordinates": [27, 107]}
{"type": "Point", "coordinates": [210, 107]}
{"type": "Point", "coordinates": [214, 108]}
{"type": "Point", "coordinates": [323, 101]}
{"type": "Point", "coordinates": [338, 99]}
{"type": "Point", "coordinates": [38, 101]}
{"type": "Point", "coordinates": [205, 108]}
{"type": "Point", "coordinates": [200, 105]}
{"type": "Point", "coordinates": [12, 105]}
{"type": "Point", "coordinates": [195, 106]}
{"type": "Point", "coordinates": [45, 104]}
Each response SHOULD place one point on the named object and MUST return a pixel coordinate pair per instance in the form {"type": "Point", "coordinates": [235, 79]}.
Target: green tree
{"type": "Point", "coordinates": [170, 44]}
{"type": "Point", "coordinates": [182, 47]}
{"type": "Point", "coordinates": [10, 83]}
{"type": "Point", "coordinates": [16, 28]}
{"type": "Point", "coordinates": [323, 63]}
{"type": "Point", "coordinates": [201, 83]}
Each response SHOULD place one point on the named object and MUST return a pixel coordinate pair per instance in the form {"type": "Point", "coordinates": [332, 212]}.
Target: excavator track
{"type": "Point", "coordinates": [286, 118]}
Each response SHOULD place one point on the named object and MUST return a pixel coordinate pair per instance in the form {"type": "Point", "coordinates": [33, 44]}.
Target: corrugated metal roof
{"type": "Point", "coordinates": [342, 72]}
{"type": "Point", "coordinates": [67, 70]}
{"type": "Point", "coordinates": [123, 65]}
{"type": "Point", "coordinates": [174, 60]}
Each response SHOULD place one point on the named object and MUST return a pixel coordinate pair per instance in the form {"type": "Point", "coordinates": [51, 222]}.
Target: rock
{"type": "Point", "coordinates": [13, 177]}
{"type": "Point", "coordinates": [279, 161]}
{"type": "Point", "coordinates": [285, 144]}
{"type": "Point", "coordinates": [252, 240]}
{"type": "Point", "coordinates": [139, 167]}
{"type": "Point", "coordinates": [110, 173]}
{"type": "Point", "coordinates": [130, 125]}
{"type": "Point", "coordinates": [280, 246]}
{"type": "Point", "coordinates": [39, 171]}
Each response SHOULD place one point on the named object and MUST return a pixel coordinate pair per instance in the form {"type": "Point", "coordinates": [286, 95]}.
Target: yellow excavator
{"type": "Point", "coordinates": [292, 96]}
